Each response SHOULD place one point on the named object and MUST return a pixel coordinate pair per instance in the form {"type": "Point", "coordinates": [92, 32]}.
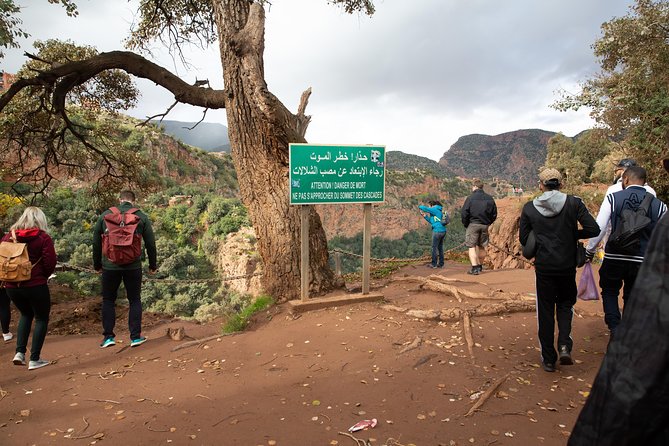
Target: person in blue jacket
{"type": "Point", "coordinates": [438, 219]}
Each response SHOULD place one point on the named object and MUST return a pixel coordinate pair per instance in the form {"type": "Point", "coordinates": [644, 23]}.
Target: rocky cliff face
{"type": "Point", "coordinates": [392, 219]}
{"type": "Point", "coordinates": [504, 250]}
{"type": "Point", "coordinates": [237, 257]}
{"type": "Point", "coordinates": [513, 156]}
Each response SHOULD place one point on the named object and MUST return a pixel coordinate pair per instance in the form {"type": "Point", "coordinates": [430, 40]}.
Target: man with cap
{"type": "Point", "coordinates": [628, 401]}
{"type": "Point", "coordinates": [603, 219]}
{"type": "Point", "coordinates": [553, 217]}
{"type": "Point", "coordinates": [620, 266]}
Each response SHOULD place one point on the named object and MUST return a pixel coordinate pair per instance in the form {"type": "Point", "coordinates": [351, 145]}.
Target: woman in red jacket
{"type": "Point", "coordinates": [32, 297]}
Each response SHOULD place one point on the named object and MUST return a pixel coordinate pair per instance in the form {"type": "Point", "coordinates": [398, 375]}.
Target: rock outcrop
{"type": "Point", "coordinates": [237, 257]}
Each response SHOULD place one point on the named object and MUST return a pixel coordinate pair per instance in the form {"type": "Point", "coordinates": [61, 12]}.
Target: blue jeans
{"type": "Point", "coordinates": [614, 275]}
{"type": "Point", "coordinates": [438, 248]}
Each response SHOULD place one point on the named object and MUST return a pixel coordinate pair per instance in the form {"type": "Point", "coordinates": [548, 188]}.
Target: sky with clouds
{"type": "Point", "coordinates": [414, 77]}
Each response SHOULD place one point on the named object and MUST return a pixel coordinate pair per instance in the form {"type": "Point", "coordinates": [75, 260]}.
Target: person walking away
{"type": "Point", "coordinates": [128, 268]}
{"type": "Point", "coordinates": [627, 405]}
{"type": "Point", "coordinates": [32, 297]}
{"type": "Point", "coordinates": [5, 315]}
{"type": "Point", "coordinates": [478, 213]}
{"type": "Point", "coordinates": [554, 218]}
{"type": "Point", "coordinates": [5, 311]}
{"type": "Point", "coordinates": [621, 266]}
{"type": "Point", "coordinates": [438, 219]}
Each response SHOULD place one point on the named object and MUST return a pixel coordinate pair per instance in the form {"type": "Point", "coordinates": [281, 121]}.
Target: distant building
{"type": "Point", "coordinates": [6, 80]}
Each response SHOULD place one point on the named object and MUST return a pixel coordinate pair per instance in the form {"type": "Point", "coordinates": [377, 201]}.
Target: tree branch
{"type": "Point", "coordinates": [66, 76]}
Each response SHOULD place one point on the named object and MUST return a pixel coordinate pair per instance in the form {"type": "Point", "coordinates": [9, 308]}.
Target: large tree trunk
{"type": "Point", "coordinates": [260, 128]}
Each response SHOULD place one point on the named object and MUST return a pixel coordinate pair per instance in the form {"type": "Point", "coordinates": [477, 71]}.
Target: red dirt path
{"type": "Point", "coordinates": [302, 380]}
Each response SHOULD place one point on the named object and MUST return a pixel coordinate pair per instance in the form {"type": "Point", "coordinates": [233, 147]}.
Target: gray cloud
{"type": "Point", "coordinates": [414, 77]}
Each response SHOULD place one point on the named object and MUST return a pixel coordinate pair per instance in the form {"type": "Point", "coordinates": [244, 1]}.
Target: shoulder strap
{"type": "Point", "coordinates": [645, 203]}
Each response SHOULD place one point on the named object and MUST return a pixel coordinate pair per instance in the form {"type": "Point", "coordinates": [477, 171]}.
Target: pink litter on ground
{"type": "Point", "coordinates": [364, 424]}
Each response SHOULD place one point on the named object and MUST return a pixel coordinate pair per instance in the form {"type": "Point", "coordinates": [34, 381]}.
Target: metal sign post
{"type": "Point", "coordinates": [304, 253]}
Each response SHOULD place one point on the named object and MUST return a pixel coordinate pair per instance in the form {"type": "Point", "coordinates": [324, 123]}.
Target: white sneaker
{"type": "Point", "coordinates": [32, 365]}
{"type": "Point", "coordinates": [7, 336]}
{"type": "Point", "coordinates": [19, 359]}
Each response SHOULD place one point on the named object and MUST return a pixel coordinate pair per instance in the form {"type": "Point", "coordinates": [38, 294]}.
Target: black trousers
{"type": "Point", "coordinates": [132, 280]}
{"type": "Point", "coordinates": [556, 296]}
{"type": "Point", "coordinates": [614, 275]}
{"type": "Point", "coordinates": [34, 303]}
{"type": "Point", "coordinates": [5, 311]}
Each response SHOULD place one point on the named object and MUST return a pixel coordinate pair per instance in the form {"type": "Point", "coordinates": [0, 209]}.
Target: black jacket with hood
{"type": "Point", "coordinates": [554, 218]}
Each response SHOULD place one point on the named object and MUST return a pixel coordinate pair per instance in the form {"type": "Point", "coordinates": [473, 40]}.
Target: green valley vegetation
{"type": "Point", "coordinates": [412, 245]}
{"type": "Point", "coordinates": [188, 235]}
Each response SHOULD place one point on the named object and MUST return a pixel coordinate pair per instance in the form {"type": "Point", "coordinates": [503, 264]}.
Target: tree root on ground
{"type": "Point", "coordinates": [490, 391]}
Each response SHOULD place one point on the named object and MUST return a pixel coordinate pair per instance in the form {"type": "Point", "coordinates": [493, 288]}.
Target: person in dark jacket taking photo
{"type": "Point", "coordinates": [553, 218]}
{"type": "Point", "coordinates": [32, 297]}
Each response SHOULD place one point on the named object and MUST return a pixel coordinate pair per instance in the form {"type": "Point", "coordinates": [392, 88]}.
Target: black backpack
{"type": "Point", "coordinates": [626, 238]}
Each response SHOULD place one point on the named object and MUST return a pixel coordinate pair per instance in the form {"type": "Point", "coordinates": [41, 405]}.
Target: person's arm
{"type": "Point", "coordinates": [97, 244]}
{"type": "Point", "coordinates": [150, 245]}
{"type": "Point", "coordinates": [49, 258]}
{"type": "Point", "coordinates": [589, 225]}
{"type": "Point", "coordinates": [493, 213]}
{"type": "Point", "coordinates": [524, 227]}
{"type": "Point", "coordinates": [603, 221]}
{"type": "Point", "coordinates": [465, 214]}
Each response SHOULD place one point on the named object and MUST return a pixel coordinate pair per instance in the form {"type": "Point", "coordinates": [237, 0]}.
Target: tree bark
{"type": "Point", "coordinates": [260, 129]}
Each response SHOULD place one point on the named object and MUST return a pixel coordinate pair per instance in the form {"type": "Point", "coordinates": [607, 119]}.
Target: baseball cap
{"type": "Point", "coordinates": [550, 174]}
{"type": "Point", "coordinates": [625, 163]}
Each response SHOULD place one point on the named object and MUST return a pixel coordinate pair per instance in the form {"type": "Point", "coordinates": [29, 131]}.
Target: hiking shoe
{"type": "Point", "coordinates": [107, 342]}
{"type": "Point", "coordinates": [548, 366]}
{"type": "Point", "coordinates": [32, 365]}
{"type": "Point", "coordinates": [474, 271]}
{"type": "Point", "coordinates": [19, 359]}
{"type": "Point", "coordinates": [480, 268]}
{"type": "Point", "coordinates": [565, 356]}
{"type": "Point", "coordinates": [7, 336]}
{"type": "Point", "coordinates": [138, 341]}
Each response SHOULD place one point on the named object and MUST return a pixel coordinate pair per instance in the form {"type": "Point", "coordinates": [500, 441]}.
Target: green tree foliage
{"type": "Point", "coordinates": [629, 98]}
{"type": "Point", "coordinates": [9, 25]}
{"type": "Point", "coordinates": [79, 139]}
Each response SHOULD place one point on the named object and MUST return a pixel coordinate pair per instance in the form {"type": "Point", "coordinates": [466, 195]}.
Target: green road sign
{"type": "Point", "coordinates": [322, 174]}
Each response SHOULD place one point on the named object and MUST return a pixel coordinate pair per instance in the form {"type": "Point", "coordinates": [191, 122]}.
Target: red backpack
{"type": "Point", "coordinates": [120, 242]}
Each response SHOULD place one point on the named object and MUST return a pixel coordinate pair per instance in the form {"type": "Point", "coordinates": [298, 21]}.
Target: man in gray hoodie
{"type": "Point", "coordinates": [554, 218]}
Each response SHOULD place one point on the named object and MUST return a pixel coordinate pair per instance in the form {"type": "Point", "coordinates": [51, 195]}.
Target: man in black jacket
{"type": "Point", "coordinates": [629, 403]}
{"type": "Point", "coordinates": [478, 212]}
{"type": "Point", "coordinates": [554, 218]}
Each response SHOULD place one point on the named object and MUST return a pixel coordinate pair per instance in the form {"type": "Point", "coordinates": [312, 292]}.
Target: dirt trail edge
{"type": "Point", "coordinates": [304, 379]}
